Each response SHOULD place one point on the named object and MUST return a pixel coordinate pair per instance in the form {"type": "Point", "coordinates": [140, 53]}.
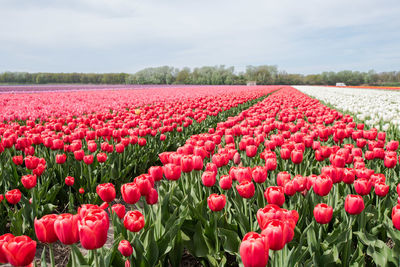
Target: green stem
{"type": "Point", "coordinates": [51, 255]}
{"type": "Point", "coordinates": [96, 258]}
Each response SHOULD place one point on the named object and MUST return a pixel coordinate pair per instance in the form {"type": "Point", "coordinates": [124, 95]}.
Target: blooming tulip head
{"type": "Point", "coordinates": [253, 250]}
{"type": "Point", "coordinates": [29, 181]}
{"type": "Point", "coordinates": [134, 221]}
{"type": "Point", "coordinates": [4, 239]}
{"type": "Point", "coordinates": [323, 213]}
{"type": "Point", "coordinates": [19, 251]}
{"type": "Point", "coordinates": [246, 189]}
{"type": "Point", "coordinates": [44, 229]}
{"type": "Point", "coordinates": [66, 228]}
{"type": "Point", "coordinates": [125, 248]}
{"type": "Point", "coordinates": [275, 195]}
{"type": "Point", "coordinates": [354, 204]}
{"type": "Point", "coordinates": [216, 202]}
{"type": "Point", "coordinates": [119, 209]}
{"type": "Point", "coordinates": [13, 196]}
{"type": "Point", "coordinates": [93, 228]}
{"type": "Point", "coordinates": [130, 193]}
{"type": "Point", "coordinates": [106, 192]}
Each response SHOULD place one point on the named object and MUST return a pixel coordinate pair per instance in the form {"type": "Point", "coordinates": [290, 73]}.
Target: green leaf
{"type": "Point", "coordinates": [231, 240]}
{"type": "Point", "coordinates": [200, 245]}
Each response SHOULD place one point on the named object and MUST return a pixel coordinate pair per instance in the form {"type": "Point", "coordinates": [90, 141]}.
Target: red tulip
{"type": "Point", "coordinates": [130, 193]}
{"type": "Point", "coordinates": [79, 154]}
{"type": "Point", "coordinates": [3, 240]}
{"type": "Point", "coordinates": [152, 197]}
{"type": "Point", "coordinates": [20, 250]}
{"type": "Point", "coordinates": [323, 213]}
{"type": "Point", "coordinates": [396, 216]}
{"type": "Point", "coordinates": [44, 229]}
{"type": "Point", "coordinates": [254, 251]}
{"type": "Point", "coordinates": [322, 185]}
{"type": "Point", "coordinates": [246, 189]}
{"type": "Point", "coordinates": [69, 181]}
{"type": "Point", "coordinates": [271, 164]}
{"type": "Point", "coordinates": [81, 191]}
{"type": "Point", "coordinates": [251, 151]}
{"type": "Point", "coordinates": [101, 157]}
{"type": "Point", "coordinates": [66, 228]}
{"type": "Point", "coordinates": [106, 192]}
{"type": "Point", "coordinates": [134, 221]}
{"type": "Point", "coordinates": [276, 234]}
{"type": "Point", "coordinates": [354, 204]}
{"type": "Point", "coordinates": [225, 182]}
{"type": "Point", "coordinates": [156, 172]}
{"type": "Point", "coordinates": [172, 172]}
{"type": "Point", "coordinates": [119, 209]}
{"type": "Point", "coordinates": [381, 189]}
{"type": "Point", "coordinates": [362, 186]}
{"type": "Point", "coordinates": [18, 160]}
{"type": "Point", "coordinates": [29, 181]}
{"type": "Point", "coordinates": [275, 195]}
{"type": "Point", "coordinates": [125, 248]}
{"type": "Point", "coordinates": [208, 178]}
{"type": "Point", "coordinates": [197, 163]}
{"type": "Point", "coordinates": [13, 196]}
{"type": "Point", "coordinates": [259, 174]}
{"type": "Point", "coordinates": [392, 145]}
{"type": "Point", "coordinates": [216, 202]}
{"type": "Point", "coordinates": [145, 183]}
{"type": "Point", "coordinates": [296, 156]}
{"type": "Point", "coordinates": [186, 164]}
{"type": "Point", "coordinates": [282, 178]}
{"type": "Point", "coordinates": [88, 159]}
{"type": "Point", "coordinates": [93, 229]}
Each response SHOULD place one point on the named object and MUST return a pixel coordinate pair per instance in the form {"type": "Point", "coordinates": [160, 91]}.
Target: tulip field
{"type": "Point", "coordinates": [200, 176]}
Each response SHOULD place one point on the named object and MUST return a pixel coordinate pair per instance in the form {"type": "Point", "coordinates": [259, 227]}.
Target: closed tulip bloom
{"type": "Point", "coordinates": [186, 164]}
{"type": "Point", "coordinates": [18, 160]}
{"type": "Point", "coordinates": [211, 167]}
{"type": "Point", "coordinates": [20, 250]}
{"type": "Point", "coordinates": [197, 163]}
{"type": "Point", "coordinates": [246, 189]}
{"type": "Point", "coordinates": [66, 228]}
{"type": "Point", "coordinates": [134, 221]}
{"type": "Point", "coordinates": [390, 162]}
{"type": "Point", "coordinates": [29, 181]}
{"type": "Point", "coordinates": [322, 185]}
{"type": "Point", "coordinates": [236, 158]}
{"type": "Point", "coordinates": [145, 183]}
{"type": "Point", "coordinates": [392, 145]}
{"type": "Point", "coordinates": [296, 156]}
{"type": "Point", "coordinates": [172, 172]}
{"type": "Point", "coordinates": [79, 154]}
{"type": "Point", "coordinates": [93, 229]}
{"type": "Point", "coordinates": [289, 188]}
{"type": "Point", "coordinates": [216, 202]}
{"type": "Point", "coordinates": [362, 186]}
{"type": "Point", "coordinates": [119, 148]}
{"type": "Point", "coordinates": [225, 182]}
{"type": "Point", "coordinates": [381, 189]}
{"type": "Point", "coordinates": [125, 248]}
{"type": "Point", "coordinates": [253, 250]}
{"type": "Point", "coordinates": [259, 174]}
{"type": "Point", "coordinates": [243, 174]}
{"type": "Point", "coordinates": [101, 157]}
{"type": "Point", "coordinates": [396, 216]}
{"type": "Point", "coordinates": [106, 192]}
{"type": "Point", "coordinates": [4, 239]}
{"type": "Point", "coordinates": [156, 172]}
{"type": "Point", "coordinates": [285, 153]}
{"type": "Point", "coordinates": [208, 178]}
{"type": "Point", "coordinates": [276, 234]}
{"type": "Point", "coordinates": [271, 164]}
{"type": "Point", "coordinates": [88, 159]}
{"type": "Point", "coordinates": [119, 209]}
{"type": "Point", "coordinates": [251, 151]}
{"type": "Point", "coordinates": [349, 175]}
{"type": "Point", "coordinates": [152, 197]}
{"type": "Point", "coordinates": [323, 213]}
{"type": "Point", "coordinates": [130, 193]}
{"type": "Point", "coordinates": [354, 204]}
{"type": "Point", "coordinates": [61, 158]}
{"type": "Point", "coordinates": [275, 195]}
{"type": "Point", "coordinates": [69, 181]}
{"type": "Point", "coordinates": [44, 229]}
{"type": "Point", "coordinates": [282, 178]}
{"type": "Point", "coordinates": [13, 196]}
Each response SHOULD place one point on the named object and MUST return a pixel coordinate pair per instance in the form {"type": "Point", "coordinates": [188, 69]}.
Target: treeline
{"type": "Point", "coordinates": [209, 75]}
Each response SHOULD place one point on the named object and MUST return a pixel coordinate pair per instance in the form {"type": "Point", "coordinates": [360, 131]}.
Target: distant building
{"type": "Point", "coordinates": [251, 83]}
{"type": "Point", "coordinates": [340, 84]}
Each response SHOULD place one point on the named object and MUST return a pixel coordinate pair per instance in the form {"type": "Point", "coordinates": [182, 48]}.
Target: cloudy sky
{"type": "Point", "coordinates": [308, 36]}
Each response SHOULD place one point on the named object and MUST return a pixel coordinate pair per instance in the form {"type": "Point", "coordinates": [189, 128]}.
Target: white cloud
{"type": "Point", "coordinates": [126, 35]}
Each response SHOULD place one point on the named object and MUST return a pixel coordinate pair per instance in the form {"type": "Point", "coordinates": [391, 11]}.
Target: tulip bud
{"type": "Point", "coordinates": [125, 248]}
{"type": "Point", "coordinates": [354, 204]}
